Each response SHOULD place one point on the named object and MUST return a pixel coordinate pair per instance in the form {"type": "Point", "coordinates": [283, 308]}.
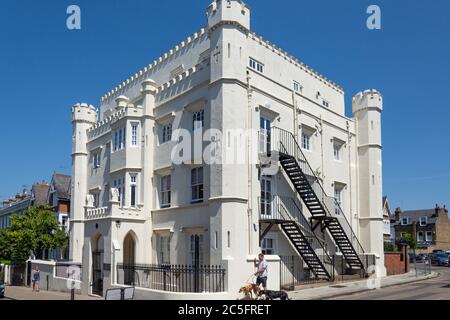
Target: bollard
{"type": "Point", "coordinates": [72, 291]}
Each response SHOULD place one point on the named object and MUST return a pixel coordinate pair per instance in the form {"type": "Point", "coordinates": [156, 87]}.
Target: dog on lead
{"type": "Point", "coordinates": [272, 295]}
{"type": "Point", "coordinates": [249, 290]}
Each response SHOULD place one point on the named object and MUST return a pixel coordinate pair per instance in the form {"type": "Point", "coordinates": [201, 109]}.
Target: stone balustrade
{"type": "Point", "coordinates": [97, 213]}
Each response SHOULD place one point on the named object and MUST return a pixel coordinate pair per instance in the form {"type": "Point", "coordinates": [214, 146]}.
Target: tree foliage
{"type": "Point", "coordinates": [30, 234]}
{"type": "Point", "coordinates": [389, 247]}
{"type": "Point", "coordinates": [410, 240]}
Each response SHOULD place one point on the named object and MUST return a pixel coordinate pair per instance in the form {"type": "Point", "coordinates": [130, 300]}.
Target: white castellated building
{"type": "Point", "coordinates": [136, 213]}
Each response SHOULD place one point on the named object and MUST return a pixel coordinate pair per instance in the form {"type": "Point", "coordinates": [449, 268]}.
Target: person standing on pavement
{"type": "Point", "coordinates": [262, 272]}
{"type": "Point", "coordinates": [36, 278]}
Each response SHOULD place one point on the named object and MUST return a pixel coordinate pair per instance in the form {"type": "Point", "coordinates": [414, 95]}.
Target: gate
{"type": "Point", "coordinates": [29, 271]}
{"type": "Point", "coordinates": [97, 273]}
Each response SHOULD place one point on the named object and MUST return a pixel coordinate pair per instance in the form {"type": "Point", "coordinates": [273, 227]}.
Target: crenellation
{"type": "Point", "coordinates": [155, 63]}
{"type": "Point", "coordinates": [259, 39]}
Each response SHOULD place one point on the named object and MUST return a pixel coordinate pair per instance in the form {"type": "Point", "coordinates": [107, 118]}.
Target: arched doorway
{"type": "Point", "coordinates": [97, 265]}
{"type": "Point", "coordinates": [129, 259]}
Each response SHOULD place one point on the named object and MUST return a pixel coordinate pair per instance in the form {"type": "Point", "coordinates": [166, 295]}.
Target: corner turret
{"type": "Point", "coordinates": [84, 116]}
{"type": "Point", "coordinates": [367, 109]}
{"type": "Point", "coordinates": [228, 11]}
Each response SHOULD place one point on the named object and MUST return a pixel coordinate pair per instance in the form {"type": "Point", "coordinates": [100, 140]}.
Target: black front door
{"type": "Point", "coordinates": [97, 273]}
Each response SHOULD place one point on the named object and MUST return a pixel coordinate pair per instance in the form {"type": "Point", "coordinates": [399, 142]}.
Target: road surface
{"type": "Point", "coordinates": [433, 289]}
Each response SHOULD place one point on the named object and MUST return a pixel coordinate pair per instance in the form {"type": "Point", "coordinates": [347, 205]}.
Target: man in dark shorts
{"type": "Point", "coordinates": [36, 279]}
{"type": "Point", "coordinates": [262, 273]}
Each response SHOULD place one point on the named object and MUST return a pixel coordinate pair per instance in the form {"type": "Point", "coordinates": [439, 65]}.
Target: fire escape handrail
{"type": "Point", "coordinates": [291, 143]}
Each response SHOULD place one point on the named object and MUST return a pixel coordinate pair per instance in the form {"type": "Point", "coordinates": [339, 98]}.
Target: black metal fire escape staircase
{"type": "Point", "coordinates": [285, 212]}
{"type": "Point", "coordinates": [325, 212]}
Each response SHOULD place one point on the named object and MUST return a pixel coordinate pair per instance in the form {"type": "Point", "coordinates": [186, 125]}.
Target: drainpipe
{"type": "Point", "coordinates": [358, 191]}
{"type": "Point", "coordinates": [250, 173]}
{"type": "Point", "coordinates": [294, 103]}
{"type": "Point", "coordinates": [350, 174]}
{"type": "Point", "coordinates": [320, 130]}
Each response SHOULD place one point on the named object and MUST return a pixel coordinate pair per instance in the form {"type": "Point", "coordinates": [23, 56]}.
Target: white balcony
{"type": "Point", "coordinates": [97, 213]}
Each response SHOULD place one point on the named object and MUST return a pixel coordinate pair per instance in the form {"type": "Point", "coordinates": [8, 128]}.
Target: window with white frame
{"type": "Point", "coordinates": [196, 255]}
{"type": "Point", "coordinates": [429, 236]}
{"type": "Point", "coordinates": [134, 134]}
{"type": "Point", "coordinates": [96, 196]}
{"type": "Point", "coordinates": [119, 184]}
{"type": "Point", "coordinates": [133, 190]}
{"type": "Point", "coordinates": [64, 220]}
{"type": "Point", "coordinates": [268, 246]}
{"type": "Point", "coordinates": [306, 140]}
{"type": "Point", "coordinates": [198, 120]}
{"type": "Point", "coordinates": [338, 195]}
{"type": "Point", "coordinates": [420, 236]}
{"type": "Point", "coordinates": [256, 65]}
{"type": "Point", "coordinates": [115, 140]}
{"type": "Point", "coordinates": [405, 221]}
{"type": "Point", "coordinates": [166, 133]}
{"type": "Point", "coordinates": [297, 87]}
{"type": "Point", "coordinates": [337, 148]}
{"type": "Point", "coordinates": [164, 249]}
{"type": "Point", "coordinates": [166, 183]}
{"type": "Point", "coordinates": [265, 137]}
{"type": "Point", "coordinates": [119, 139]}
{"type": "Point", "coordinates": [423, 221]}
{"type": "Point", "coordinates": [197, 184]}
{"type": "Point", "coordinates": [97, 159]}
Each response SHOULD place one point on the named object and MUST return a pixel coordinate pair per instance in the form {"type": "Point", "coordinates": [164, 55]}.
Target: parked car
{"type": "Point", "coordinates": [2, 289]}
{"type": "Point", "coordinates": [440, 259]}
{"type": "Point", "coordinates": [412, 257]}
{"type": "Point", "coordinates": [422, 257]}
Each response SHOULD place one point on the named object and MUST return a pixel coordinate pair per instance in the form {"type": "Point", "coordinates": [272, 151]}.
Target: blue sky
{"type": "Point", "coordinates": [45, 69]}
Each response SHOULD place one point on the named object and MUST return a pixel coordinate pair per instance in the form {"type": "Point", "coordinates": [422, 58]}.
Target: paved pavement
{"type": "Point", "coordinates": [24, 293]}
{"type": "Point", "coordinates": [353, 287]}
{"type": "Point", "coordinates": [432, 289]}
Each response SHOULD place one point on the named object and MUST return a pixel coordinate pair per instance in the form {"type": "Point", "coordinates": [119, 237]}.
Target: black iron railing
{"type": "Point", "coordinates": [173, 278]}
{"type": "Point", "coordinates": [294, 273]}
{"type": "Point", "coordinates": [283, 209]}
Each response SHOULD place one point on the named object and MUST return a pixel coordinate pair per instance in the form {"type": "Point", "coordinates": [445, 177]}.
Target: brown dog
{"type": "Point", "coordinates": [249, 290]}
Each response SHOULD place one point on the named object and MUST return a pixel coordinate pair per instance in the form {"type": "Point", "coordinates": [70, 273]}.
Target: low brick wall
{"type": "Point", "coordinates": [396, 263]}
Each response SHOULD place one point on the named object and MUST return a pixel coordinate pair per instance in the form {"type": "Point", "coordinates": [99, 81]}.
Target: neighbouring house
{"type": "Point", "coordinates": [18, 204]}
{"type": "Point", "coordinates": [58, 199]}
{"type": "Point", "coordinates": [430, 228]}
{"type": "Point", "coordinates": [387, 216]}
{"type": "Point", "coordinates": [392, 226]}
{"type": "Point", "coordinates": [293, 175]}
{"type": "Point", "coordinates": [56, 195]}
